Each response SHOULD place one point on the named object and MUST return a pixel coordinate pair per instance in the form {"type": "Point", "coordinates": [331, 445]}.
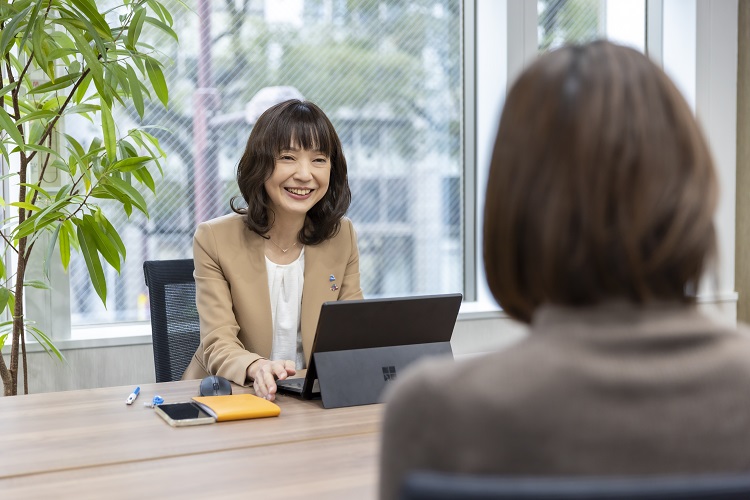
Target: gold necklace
{"type": "Point", "coordinates": [277, 246]}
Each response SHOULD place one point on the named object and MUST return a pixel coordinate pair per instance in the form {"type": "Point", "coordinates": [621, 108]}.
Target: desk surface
{"type": "Point", "coordinates": [90, 444]}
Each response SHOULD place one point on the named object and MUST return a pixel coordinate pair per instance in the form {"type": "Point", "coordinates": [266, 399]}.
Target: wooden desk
{"type": "Point", "coordinates": [90, 444]}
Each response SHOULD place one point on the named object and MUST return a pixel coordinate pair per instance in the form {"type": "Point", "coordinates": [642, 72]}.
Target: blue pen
{"type": "Point", "coordinates": [132, 396]}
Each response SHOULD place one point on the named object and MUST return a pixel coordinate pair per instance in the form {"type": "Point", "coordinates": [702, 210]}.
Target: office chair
{"type": "Point", "coordinates": [437, 486]}
{"type": "Point", "coordinates": [174, 318]}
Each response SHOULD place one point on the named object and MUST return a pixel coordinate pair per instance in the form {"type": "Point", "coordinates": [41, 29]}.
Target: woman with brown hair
{"type": "Point", "coordinates": [598, 228]}
{"type": "Point", "coordinates": [263, 272]}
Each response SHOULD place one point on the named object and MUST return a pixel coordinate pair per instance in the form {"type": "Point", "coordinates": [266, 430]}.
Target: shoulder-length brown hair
{"type": "Point", "coordinates": [302, 124]}
{"type": "Point", "coordinates": [601, 185]}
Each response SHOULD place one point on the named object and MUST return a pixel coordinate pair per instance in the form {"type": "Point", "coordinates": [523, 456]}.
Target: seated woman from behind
{"type": "Point", "coordinates": [262, 273]}
{"type": "Point", "coordinates": [598, 226]}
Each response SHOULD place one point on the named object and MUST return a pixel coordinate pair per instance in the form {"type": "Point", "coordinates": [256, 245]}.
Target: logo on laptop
{"type": "Point", "coordinates": [389, 373]}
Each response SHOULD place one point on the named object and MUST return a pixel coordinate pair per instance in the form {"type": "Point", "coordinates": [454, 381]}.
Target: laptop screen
{"type": "Point", "coordinates": [368, 323]}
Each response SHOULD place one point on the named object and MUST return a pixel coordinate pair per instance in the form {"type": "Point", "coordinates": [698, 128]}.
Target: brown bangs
{"type": "Point", "coordinates": [305, 130]}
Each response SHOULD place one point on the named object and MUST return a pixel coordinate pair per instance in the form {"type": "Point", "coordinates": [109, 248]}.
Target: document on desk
{"type": "Point", "coordinates": [237, 407]}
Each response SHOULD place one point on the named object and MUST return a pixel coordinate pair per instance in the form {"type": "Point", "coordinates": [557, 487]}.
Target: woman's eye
{"type": "Point", "coordinates": [321, 160]}
{"type": "Point", "coordinates": [285, 157]}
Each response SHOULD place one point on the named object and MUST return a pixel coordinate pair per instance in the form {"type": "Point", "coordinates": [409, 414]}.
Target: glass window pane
{"type": "Point", "coordinates": [577, 21]}
{"type": "Point", "coordinates": [387, 73]}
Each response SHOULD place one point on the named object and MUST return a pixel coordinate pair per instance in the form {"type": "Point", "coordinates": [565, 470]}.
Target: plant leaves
{"type": "Point", "coordinates": [106, 247]}
{"type": "Point", "coordinates": [10, 29]}
{"type": "Point", "coordinates": [108, 128]}
{"type": "Point", "coordinates": [93, 264]}
{"type": "Point", "coordinates": [163, 27]}
{"type": "Point", "coordinates": [130, 164]}
{"type": "Point", "coordinates": [59, 83]}
{"type": "Point", "coordinates": [91, 12]}
{"type": "Point", "coordinates": [156, 77]}
{"type": "Point", "coordinates": [44, 341]}
{"type": "Point", "coordinates": [136, 25]}
{"type": "Point", "coordinates": [7, 124]}
{"type": "Point", "coordinates": [130, 192]}
{"type": "Point", "coordinates": [51, 250]}
{"type": "Point", "coordinates": [65, 245]}
{"type": "Point", "coordinates": [135, 91]}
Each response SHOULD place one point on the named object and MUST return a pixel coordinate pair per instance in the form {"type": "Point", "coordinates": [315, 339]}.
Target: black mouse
{"type": "Point", "coordinates": [214, 385]}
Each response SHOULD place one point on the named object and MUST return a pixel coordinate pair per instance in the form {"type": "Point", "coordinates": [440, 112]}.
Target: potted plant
{"type": "Point", "coordinates": [62, 58]}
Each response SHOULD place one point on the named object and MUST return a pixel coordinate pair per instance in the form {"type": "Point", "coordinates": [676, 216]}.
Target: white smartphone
{"type": "Point", "coordinates": [182, 414]}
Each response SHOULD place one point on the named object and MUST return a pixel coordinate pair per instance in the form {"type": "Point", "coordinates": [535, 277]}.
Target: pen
{"type": "Point", "coordinates": [134, 395]}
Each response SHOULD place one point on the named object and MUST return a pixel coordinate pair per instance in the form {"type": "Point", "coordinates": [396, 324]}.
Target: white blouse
{"type": "Point", "coordinates": [285, 287]}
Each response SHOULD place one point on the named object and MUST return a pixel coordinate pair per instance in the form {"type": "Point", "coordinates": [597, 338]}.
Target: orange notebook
{"type": "Point", "coordinates": [237, 407]}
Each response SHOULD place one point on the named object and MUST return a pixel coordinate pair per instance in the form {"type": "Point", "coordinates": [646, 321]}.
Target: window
{"type": "Point", "coordinates": [387, 73]}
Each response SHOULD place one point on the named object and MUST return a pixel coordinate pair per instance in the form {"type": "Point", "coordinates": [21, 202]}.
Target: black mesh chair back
{"type": "Point", "coordinates": [174, 318]}
{"type": "Point", "coordinates": [437, 486]}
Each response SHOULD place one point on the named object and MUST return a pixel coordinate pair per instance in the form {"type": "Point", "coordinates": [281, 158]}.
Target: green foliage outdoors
{"type": "Point", "coordinates": [90, 60]}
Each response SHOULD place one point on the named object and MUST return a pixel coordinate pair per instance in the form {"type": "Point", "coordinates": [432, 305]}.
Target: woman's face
{"type": "Point", "coordinates": [299, 181]}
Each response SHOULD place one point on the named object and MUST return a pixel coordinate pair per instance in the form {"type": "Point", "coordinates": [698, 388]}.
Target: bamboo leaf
{"type": "Point", "coordinates": [103, 244]}
{"type": "Point", "coordinates": [92, 62]}
{"type": "Point", "coordinates": [113, 235]}
{"type": "Point", "coordinates": [65, 245]}
{"type": "Point", "coordinates": [26, 206]}
{"type": "Point", "coordinates": [116, 194]}
{"type": "Point", "coordinates": [163, 27]}
{"type": "Point", "coordinates": [51, 250]}
{"type": "Point", "coordinates": [43, 149]}
{"type": "Point", "coordinates": [4, 296]}
{"type": "Point", "coordinates": [36, 115]}
{"type": "Point", "coordinates": [91, 12]}
{"type": "Point", "coordinates": [76, 146]}
{"type": "Point", "coordinates": [130, 164]}
{"type": "Point", "coordinates": [4, 152]}
{"type": "Point", "coordinates": [156, 77]}
{"type": "Point", "coordinates": [10, 30]}
{"type": "Point", "coordinates": [108, 128]}
{"type": "Point", "coordinates": [93, 264]}
{"type": "Point", "coordinates": [39, 285]}
{"type": "Point", "coordinates": [81, 109]}
{"type": "Point", "coordinates": [59, 83]}
{"type": "Point", "coordinates": [135, 91]}
{"type": "Point", "coordinates": [45, 342]}
{"type": "Point", "coordinates": [7, 124]}
{"type": "Point", "coordinates": [132, 194]}
{"type": "Point", "coordinates": [8, 88]}
{"type": "Point", "coordinates": [136, 25]}
{"type": "Point", "coordinates": [144, 176]}
{"type": "Point", "coordinates": [29, 25]}
{"type": "Point", "coordinates": [37, 188]}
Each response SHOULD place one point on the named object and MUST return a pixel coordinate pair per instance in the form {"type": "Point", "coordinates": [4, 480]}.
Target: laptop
{"type": "Point", "coordinates": [361, 346]}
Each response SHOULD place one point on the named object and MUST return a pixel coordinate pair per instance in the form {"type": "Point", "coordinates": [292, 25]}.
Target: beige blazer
{"type": "Point", "coordinates": [233, 299]}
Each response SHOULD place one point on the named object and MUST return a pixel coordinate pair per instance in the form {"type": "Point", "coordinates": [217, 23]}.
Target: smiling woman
{"type": "Point", "coordinates": [263, 272]}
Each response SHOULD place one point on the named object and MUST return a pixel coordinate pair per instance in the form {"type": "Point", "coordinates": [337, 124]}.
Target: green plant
{"type": "Point", "coordinates": [62, 58]}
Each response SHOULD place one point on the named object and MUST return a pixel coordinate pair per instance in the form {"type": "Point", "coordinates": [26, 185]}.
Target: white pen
{"type": "Point", "coordinates": [133, 395]}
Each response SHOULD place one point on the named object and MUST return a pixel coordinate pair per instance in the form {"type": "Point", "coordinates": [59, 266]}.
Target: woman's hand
{"type": "Point", "coordinates": [264, 373]}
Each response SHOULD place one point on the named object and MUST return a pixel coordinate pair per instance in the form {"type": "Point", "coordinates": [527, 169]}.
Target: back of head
{"type": "Point", "coordinates": [601, 185]}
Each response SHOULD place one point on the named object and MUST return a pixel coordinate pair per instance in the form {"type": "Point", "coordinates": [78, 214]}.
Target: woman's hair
{"type": "Point", "coordinates": [601, 185]}
{"type": "Point", "coordinates": [301, 124]}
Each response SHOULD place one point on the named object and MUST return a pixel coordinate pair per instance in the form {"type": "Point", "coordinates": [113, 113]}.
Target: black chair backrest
{"type": "Point", "coordinates": [436, 486]}
{"type": "Point", "coordinates": [175, 326]}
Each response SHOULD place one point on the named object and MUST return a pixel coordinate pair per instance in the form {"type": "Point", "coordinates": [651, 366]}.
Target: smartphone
{"type": "Point", "coordinates": [182, 414]}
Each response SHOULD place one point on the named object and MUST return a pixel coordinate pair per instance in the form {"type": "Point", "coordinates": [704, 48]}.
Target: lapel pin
{"type": "Point", "coordinates": [334, 287]}
{"type": "Point", "coordinates": [332, 278]}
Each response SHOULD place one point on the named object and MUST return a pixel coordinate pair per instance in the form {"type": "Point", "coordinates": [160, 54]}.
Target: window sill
{"type": "Point", "coordinates": [139, 333]}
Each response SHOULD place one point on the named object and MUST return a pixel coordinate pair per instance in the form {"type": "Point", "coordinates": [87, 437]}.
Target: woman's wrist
{"type": "Point", "coordinates": [256, 365]}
